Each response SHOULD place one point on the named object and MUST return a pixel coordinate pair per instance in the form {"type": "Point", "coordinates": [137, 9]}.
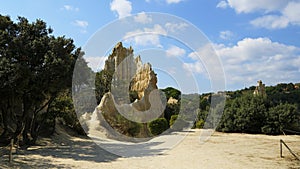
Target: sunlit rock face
{"type": "Point", "coordinates": [130, 75]}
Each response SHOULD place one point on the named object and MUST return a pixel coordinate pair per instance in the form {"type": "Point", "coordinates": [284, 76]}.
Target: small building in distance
{"type": "Point", "coordinates": [260, 89]}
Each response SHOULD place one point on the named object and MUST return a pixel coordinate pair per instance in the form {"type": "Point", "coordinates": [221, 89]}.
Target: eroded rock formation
{"type": "Point", "coordinates": [130, 75]}
{"type": "Point", "coordinates": [260, 89]}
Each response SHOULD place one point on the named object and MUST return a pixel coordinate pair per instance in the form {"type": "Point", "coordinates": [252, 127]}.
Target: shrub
{"type": "Point", "coordinates": [199, 124]}
{"type": "Point", "coordinates": [158, 126]}
{"type": "Point", "coordinates": [173, 119]}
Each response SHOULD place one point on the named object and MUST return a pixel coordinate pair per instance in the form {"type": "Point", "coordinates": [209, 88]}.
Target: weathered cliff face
{"type": "Point", "coordinates": [130, 74]}
{"type": "Point", "coordinates": [144, 80]}
{"type": "Point", "coordinates": [118, 54]}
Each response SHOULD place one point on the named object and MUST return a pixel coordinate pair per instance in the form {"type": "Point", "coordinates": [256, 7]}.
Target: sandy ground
{"type": "Point", "coordinates": [222, 150]}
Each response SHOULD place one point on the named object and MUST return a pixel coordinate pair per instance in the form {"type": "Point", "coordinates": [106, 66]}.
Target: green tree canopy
{"type": "Point", "coordinates": [35, 67]}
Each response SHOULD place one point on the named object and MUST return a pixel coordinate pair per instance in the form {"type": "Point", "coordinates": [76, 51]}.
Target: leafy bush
{"type": "Point", "coordinates": [173, 119]}
{"type": "Point", "coordinates": [199, 124]}
{"type": "Point", "coordinates": [170, 110]}
{"type": "Point", "coordinates": [62, 107]}
{"type": "Point", "coordinates": [158, 126]}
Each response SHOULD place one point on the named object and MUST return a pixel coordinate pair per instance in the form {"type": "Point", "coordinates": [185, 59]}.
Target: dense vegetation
{"type": "Point", "coordinates": [35, 79]}
{"type": "Point", "coordinates": [276, 113]}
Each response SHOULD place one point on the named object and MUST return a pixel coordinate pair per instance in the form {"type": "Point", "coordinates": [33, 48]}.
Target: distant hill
{"type": "Point", "coordinates": [274, 113]}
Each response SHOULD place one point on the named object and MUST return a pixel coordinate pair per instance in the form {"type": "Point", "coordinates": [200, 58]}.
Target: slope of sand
{"type": "Point", "coordinates": [222, 150]}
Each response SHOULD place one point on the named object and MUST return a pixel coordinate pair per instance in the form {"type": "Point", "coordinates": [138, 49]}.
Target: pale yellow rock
{"type": "Point", "coordinates": [260, 89]}
{"type": "Point", "coordinates": [129, 74]}
{"type": "Point", "coordinates": [172, 101]}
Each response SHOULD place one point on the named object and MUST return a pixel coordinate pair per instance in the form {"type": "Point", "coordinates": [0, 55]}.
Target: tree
{"type": "Point", "coordinates": [103, 81]}
{"type": "Point", "coordinates": [170, 110]}
{"type": "Point", "coordinates": [172, 92]}
{"type": "Point", "coordinates": [279, 118]}
{"type": "Point", "coordinates": [244, 114]}
{"type": "Point", "coordinates": [35, 67]}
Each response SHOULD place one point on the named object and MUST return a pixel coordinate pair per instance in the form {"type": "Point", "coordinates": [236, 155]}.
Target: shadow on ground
{"type": "Point", "coordinates": [78, 150]}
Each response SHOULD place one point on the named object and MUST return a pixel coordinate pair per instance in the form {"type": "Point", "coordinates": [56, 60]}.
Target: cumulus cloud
{"type": "Point", "coordinates": [122, 7]}
{"type": "Point", "coordinates": [284, 12]}
{"type": "Point", "coordinates": [249, 60]}
{"type": "Point", "coordinates": [253, 59]}
{"type": "Point", "coordinates": [173, 1]}
{"type": "Point", "coordinates": [175, 51]}
{"type": "Point", "coordinates": [142, 18]}
{"type": "Point", "coordinates": [146, 36]}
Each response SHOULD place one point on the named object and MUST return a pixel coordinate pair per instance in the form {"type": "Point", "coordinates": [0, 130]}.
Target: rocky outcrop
{"type": "Point", "coordinates": [118, 54]}
{"type": "Point", "coordinates": [260, 89]}
{"type": "Point", "coordinates": [107, 104]}
{"type": "Point", "coordinates": [172, 100]}
{"type": "Point", "coordinates": [144, 81]}
{"type": "Point", "coordinates": [131, 75]}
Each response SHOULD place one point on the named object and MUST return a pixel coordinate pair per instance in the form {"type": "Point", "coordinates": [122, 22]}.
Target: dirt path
{"type": "Point", "coordinates": [222, 150]}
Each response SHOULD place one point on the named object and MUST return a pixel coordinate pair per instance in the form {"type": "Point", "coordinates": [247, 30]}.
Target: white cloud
{"type": "Point", "coordinates": [70, 8]}
{"type": "Point", "coordinates": [142, 18]}
{"type": "Point", "coordinates": [226, 35]}
{"type": "Point", "coordinates": [175, 51]}
{"type": "Point", "coordinates": [173, 1]}
{"type": "Point", "coordinates": [292, 12]}
{"type": "Point", "coordinates": [271, 22]}
{"type": "Point", "coordinates": [122, 7]}
{"type": "Point", "coordinates": [150, 35]}
{"type": "Point", "coordinates": [96, 63]}
{"type": "Point", "coordinates": [206, 62]}
{"type": "Point", "coordinates": [248, 6]}
{"type": "Point", "coordinates": [284, 12]}
{"type": "Point", "coordinates": [222, 4]}
{"type": "Point", "coordinates": [253, 59]}
{"type": "Point", "coordinates": [80, 23]}
{"type": "Point", "coordinates": [147, 36]}
{"type": "Point", "coordinates": [196, 67]}
{"type": "Point", "coordinates": [174, 27]}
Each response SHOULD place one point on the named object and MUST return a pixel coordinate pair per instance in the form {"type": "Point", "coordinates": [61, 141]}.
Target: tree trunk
{"type": "Point", "coordinates": [18, 131]}
{"type": "Point", "coordinates": [7, 133]}
{"type": "Point", "coordinates": [26, 130]}
{"type": "Point", "coordinates": [144, 130]}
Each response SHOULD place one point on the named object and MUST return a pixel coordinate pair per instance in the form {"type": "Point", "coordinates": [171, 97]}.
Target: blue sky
{"type": "Point", "coordinates": [254, 39]}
